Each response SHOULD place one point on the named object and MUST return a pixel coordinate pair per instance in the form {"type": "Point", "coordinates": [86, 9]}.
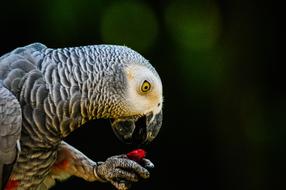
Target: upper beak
{"type": "Point", "coordinates": [140, 130]}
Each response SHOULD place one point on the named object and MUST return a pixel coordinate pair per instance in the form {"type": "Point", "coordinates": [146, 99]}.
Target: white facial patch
{"type": "Point", "coordinates": [143, 102]}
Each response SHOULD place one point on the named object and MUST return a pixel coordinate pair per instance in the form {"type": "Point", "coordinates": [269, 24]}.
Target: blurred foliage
{"type": "Point", "coordinates": [195, 29]}
{"type": "Point", "coordinates": [129, 23]}
{"type": "Point", "coordinates": [194, 25]}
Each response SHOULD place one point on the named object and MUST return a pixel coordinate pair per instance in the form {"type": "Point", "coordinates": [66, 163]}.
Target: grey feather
{"type": "Point", "coordinates": [10, 129]}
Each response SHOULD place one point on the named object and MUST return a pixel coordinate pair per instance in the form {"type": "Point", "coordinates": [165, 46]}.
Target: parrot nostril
{"type": "Point", "coordinates": [158, 104]}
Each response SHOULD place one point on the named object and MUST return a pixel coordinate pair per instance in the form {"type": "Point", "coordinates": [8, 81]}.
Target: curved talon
{"type": "Point", "coordinates": [119, 185]}
{"type": "Point", "coordinates": [146, 163]}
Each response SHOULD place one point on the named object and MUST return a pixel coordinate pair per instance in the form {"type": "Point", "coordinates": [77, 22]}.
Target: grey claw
{"type": "Point", "coordinates": [146, 163]}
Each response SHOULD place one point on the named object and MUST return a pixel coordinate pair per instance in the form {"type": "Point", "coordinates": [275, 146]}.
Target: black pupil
{"type": "Point", "coordinates": [145, 86]}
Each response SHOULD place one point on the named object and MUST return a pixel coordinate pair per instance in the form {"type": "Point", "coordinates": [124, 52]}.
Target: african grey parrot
{"type": "Point", "coordinates": [45, 94]}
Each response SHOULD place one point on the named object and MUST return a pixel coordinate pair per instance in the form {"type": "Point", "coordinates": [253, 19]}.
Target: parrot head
{"type": "Point", "coordinates": [143, 105]}
{"type": "Point", "coordinates": [129, 93]}
{"type": "Point", "coordinates": [126, 89]}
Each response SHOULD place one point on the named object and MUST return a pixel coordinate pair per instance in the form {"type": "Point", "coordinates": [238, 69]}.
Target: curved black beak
{"type": "Point", "coordinates": [138, 131]}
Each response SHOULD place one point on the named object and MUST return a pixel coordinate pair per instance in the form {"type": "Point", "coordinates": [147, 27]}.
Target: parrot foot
{"type": "Point", "coordinates": [121, 172]}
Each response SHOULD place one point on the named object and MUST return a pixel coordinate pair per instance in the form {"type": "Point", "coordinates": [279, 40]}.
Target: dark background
{"type": "Point", "coordinates": [224, 85]}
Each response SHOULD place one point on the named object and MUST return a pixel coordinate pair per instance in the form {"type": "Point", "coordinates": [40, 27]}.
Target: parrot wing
{"type": "Point", "coordinates": [10, 129]}
{"type": "Point", "coordinates": [13, 67]}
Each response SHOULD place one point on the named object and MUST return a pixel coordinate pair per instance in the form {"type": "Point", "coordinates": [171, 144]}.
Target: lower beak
{"type": "Point", "coordinates": [138, 131]}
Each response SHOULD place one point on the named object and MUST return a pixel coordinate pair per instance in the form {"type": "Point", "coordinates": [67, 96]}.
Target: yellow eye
{"type": "Point", "coordinates": [146, 86]}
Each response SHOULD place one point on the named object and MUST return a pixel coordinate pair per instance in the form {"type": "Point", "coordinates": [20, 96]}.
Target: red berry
{"type": "Point", "coordinates": [136, 155]}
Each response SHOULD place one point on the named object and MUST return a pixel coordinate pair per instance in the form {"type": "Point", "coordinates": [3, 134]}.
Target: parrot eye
{"type": "Point", "coordinates": [146, 86]}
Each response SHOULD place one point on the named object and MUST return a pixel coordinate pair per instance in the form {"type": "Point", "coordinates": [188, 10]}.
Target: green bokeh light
{"type": "Point", "coordinates": [132, 24]}
{"type": "Point", "coordinates": [62, 18]}
{"type": "Point", "coordinates": [70, 21]}
{"type": "Point", "coordinates": [194, 25]}
{"type": "Point", "coordinates": [195, 28]}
